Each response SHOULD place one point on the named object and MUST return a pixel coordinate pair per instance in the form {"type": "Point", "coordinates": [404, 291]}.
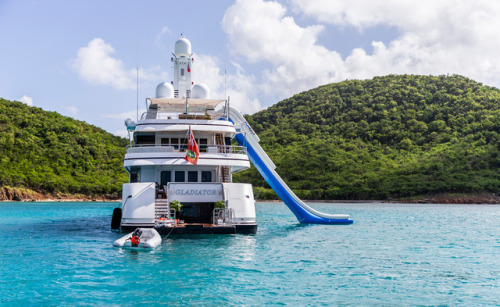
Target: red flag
{"type": "Point", "coordinates": [192, 152]}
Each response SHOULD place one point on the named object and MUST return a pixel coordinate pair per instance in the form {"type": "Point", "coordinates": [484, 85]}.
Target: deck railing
{"type": "Point", "coordinates": [223, 216]}
{"type": "Point", "coordinates": [140, 148]}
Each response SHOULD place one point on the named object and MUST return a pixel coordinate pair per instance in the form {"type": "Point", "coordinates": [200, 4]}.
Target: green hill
{"type": "Point", "coordinates": [388, 137]}
{"type": "Point", "coordinates": [47, 152]}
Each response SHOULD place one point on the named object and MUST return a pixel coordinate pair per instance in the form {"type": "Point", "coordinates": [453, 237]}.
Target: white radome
{"type": "Point", "coordinates": [200, 91]}
{"type": "Point", "coordinates": [182, 47]}
{"type": "Point", "coordinates": [165, 90]}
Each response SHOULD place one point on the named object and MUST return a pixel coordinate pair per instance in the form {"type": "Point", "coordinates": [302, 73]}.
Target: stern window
{"type": "Point", "coordinates": [180, 176]}
{"type": "Point", "coordinates": [206, 176]}
{"type": "Point", "coordinates": [166, 177]}
{"type": "Point", "coordinates": [192, 176]}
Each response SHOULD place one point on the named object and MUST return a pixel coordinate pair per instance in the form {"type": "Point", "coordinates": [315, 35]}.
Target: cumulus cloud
{"type": "Point", "coordinates": [262, 32]}
{"type": "Point", "coordinates": [436, 37]}
{"type": "Point", "coordinates": [95, 64]}
{"type": "Point", "coordinates": [27, 100]}
{"type": "Point", "coordinates": [241, 88]}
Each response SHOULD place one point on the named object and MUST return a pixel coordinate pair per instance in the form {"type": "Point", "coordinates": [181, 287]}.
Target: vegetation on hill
{"type": "Point", "coordinates": [45, 151]}
{"type": "Point", "coordinates": [388, 137]}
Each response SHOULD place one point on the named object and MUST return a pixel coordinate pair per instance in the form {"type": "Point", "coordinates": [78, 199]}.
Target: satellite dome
{"type": "Point", "coordinates": [165, 90]}
{"type": "Point", "coordinates": [200, 91]}
{"type": "Point", "coordinates": [182, 47]}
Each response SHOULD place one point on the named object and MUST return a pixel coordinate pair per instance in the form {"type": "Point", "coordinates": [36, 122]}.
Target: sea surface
{"type": "Point", "coordinates": [60, 254]}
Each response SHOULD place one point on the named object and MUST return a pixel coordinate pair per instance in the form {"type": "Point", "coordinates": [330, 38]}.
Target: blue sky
{"type": "Point", "coordinates": [79, 58]}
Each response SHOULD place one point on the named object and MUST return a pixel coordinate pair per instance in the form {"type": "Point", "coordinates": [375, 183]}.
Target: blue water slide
{"type": "Point", "coordinates": [304, 214]}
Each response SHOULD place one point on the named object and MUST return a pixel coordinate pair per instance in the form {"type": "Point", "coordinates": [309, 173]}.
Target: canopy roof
{"type": "Point", "coordinates": [179, 104]}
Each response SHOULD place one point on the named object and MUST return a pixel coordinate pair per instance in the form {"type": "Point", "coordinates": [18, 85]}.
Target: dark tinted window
{"type": "Point", "coordinates": [202, 143]}
{"type": "Point", "coordinates": [134, 177]}
{"type": "Point", "coordinates": [180, 176]}
{"type": "Point", "coordinates": [192, 176]}
{"type": "Point", "coordinates": [206, 176]}
{"type": "Point", "coordinates": [145, 139]}
{"type": "Point", "coordinates": [184, 144]}
{"type": "Point", "coordinates": [166, 177]}
{"type": "Point", "coordinates": [175, 142]}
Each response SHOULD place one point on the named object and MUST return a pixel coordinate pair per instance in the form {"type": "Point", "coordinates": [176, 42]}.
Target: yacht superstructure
{"type": "Point", "coordinates": [167, 192]}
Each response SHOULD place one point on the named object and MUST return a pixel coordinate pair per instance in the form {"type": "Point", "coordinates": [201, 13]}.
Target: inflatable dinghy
{"type": "Point", "coordinates": [140, 238]}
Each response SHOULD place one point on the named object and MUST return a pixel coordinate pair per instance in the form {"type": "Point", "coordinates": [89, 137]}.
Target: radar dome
{"type": "Point", "coordinates": [182, 47]}
{"type": "Point", "coordinates": [200, 91]}
{"type": "Point", "coordinates": [165, 90]}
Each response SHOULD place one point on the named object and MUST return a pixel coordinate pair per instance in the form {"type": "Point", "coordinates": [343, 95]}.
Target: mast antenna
{"type": "Point", "coordinates": [137, 68]}
{"type": "Point", "coordinates": [225, 60]}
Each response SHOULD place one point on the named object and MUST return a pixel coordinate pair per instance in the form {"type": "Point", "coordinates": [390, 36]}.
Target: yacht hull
{"type": "Point", "coordinates": [194, 229]}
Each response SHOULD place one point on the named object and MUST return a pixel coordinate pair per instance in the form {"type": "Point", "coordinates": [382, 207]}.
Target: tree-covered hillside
{"type": "Point", "coordinates": [389, 137]}
{"type": "Point", "coordinates": [48, 152]}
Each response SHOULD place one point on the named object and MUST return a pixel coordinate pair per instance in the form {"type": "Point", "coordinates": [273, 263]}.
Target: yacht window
{"type": "Point", "coordinates": [206, 176]}
{"type": "Point", "coordinates": [183, 144]}
{"type": "Point", "coordinates": [166, 177]}
{"type": "Point", "coordinates": [192, 176]}
{"type": "Point", "coordinates": [175, 143]}
{"type": "Point", "coordinates": [145, 139]}
{"type": "Point", "coordinates": [134, 177]}
{"type": "Point", "coordinates": [182, 72]}
{"type": "Point", "coordinates": [180, 176]}
{"type": "Point", "coordinates": [164, 141]}
{"type": "Point", "coordinates": [203, 145]}
{"type": "Point", "coordinates": [135, 174]}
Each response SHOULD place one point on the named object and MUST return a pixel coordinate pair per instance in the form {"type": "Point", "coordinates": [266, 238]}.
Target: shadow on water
{"type": "Point", "coordinates": [92, 227]}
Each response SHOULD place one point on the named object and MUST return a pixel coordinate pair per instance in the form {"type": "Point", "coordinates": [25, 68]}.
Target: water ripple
{"type": "Point", "coordinates": [393, 255]}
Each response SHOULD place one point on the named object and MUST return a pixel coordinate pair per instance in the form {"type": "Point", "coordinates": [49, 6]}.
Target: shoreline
{"type": "Point", "coordinates": [10, 194]}
{"type": "Point", "coordinates": [424, 201]}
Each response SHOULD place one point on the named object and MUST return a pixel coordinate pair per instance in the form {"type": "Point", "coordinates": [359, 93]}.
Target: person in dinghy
{"type": "Point", "coordinates": [136, 237]}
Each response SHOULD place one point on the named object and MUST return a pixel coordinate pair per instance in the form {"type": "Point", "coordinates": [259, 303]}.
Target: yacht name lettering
{"type": "Point", "coordinates": [195, 192]}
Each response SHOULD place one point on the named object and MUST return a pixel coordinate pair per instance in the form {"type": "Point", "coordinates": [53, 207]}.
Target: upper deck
{"type": "Point", "coordinates": [181, 108]}
{"type": "Point", "coordinates": [161, 134]}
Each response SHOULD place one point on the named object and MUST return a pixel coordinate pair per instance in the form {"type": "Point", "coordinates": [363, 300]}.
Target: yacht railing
{"type": "Point", "coordinates": [228, 149]}
{"type": "Point", "coordinates": [155, 114]}
{"type": "Point", "coordinates": [223, 216]}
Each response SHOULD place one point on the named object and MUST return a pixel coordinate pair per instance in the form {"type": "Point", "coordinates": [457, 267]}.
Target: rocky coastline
{"type": "Point", "coordinates": [28, 195]}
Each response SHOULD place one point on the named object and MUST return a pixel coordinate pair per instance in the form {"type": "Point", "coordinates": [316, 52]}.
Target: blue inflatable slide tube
{"type": "Point", "coordinates": [304, 213]}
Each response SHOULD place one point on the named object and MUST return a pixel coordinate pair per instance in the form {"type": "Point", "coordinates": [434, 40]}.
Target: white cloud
{"type": "Point", "coordinates": [261, 32]}
{"type": "Point", "coordinates": [159, 38]}
{"type": "Point", "coordinates": [95, 64]}
{"type": "Point", "coordinates": [124, 115]}
{"type": "Point", "coordinates": [240, 88]}
{"type": "Point", "coordinates": [122, 133]}
{"type": "Point", "coordinates": [72, 110]}
{"type": "Point", "coordinates": [436, 37]}
{"type": "Point", "coordinates": [27, 100]}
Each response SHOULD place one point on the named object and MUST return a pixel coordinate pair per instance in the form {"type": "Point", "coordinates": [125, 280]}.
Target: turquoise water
{"type": "Point", "coordinates": [61, 254]}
